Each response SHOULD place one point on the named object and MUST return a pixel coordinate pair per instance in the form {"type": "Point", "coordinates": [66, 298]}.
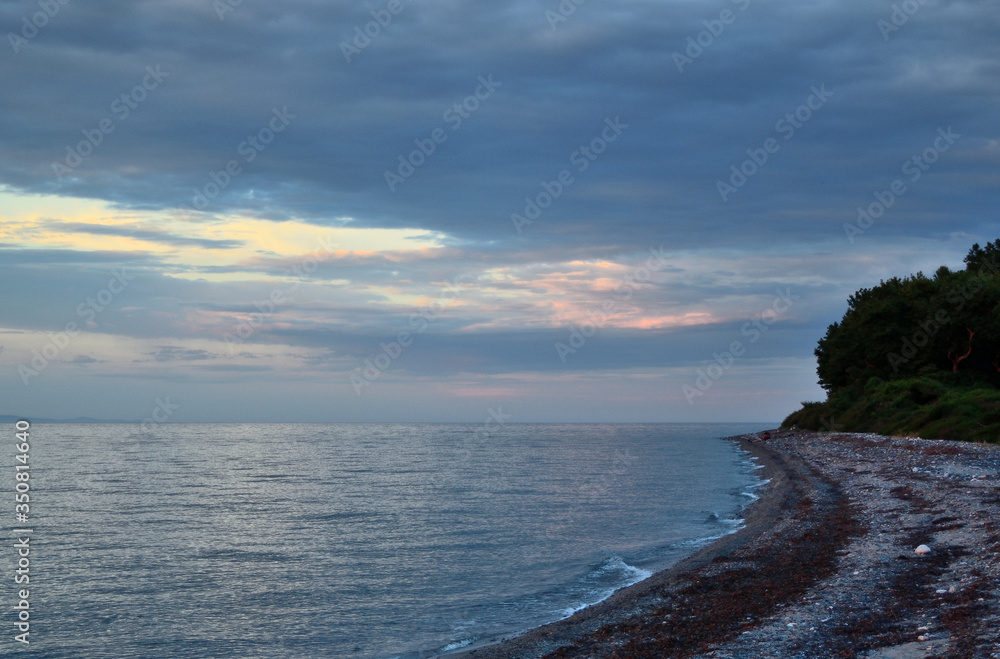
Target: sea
{"type": "Point", "coordinates": [350, 540]}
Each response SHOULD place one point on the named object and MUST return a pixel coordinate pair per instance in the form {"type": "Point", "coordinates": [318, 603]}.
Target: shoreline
{"type": "Point", "coordinates": [782, 491]}
{"type": "Point", "coordinates": [818, 533]}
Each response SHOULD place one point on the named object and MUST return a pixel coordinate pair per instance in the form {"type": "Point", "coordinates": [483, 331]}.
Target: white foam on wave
{"type": "Point", "coordinates": [716, 518]}
{"type": "Point", "coordinates": [633, 575]}
{"type": "Point", "coordinates": [748, 492]}
{"type": "Point", "coordinates": [636, 574]}
{"type": "Point", "coordinates": [734, 525]}
{"type": "Point", "coordinates": [569, 611]}
{"type": "Point", "coordinates": [458, 645]}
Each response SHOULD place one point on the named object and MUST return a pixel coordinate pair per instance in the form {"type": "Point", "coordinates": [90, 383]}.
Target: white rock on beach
{"type": "Point", "coordinates": [921, 550]}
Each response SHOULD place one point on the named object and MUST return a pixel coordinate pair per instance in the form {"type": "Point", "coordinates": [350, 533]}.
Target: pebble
{"type": "Point", "coordinates": [891, 518]}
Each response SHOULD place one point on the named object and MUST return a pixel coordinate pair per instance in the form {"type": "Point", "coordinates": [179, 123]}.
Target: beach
{"type": "Point", "coordinates": [859, 546]}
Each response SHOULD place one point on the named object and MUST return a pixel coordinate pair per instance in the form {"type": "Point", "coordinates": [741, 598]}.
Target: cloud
{"type": "Point", "coordinates": [537, 146]}
{"type": "Point", "coordinates": [144, 234]}
{"type": "Point", "coordinates": [175, 353]}
{"type": "Point", "coordinates": [70, 257]}
{"type": "Point", "coordinates": [353, 121]}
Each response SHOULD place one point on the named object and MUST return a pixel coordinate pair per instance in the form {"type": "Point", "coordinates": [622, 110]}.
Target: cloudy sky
{"type": "Point", "coordinates": [394, 210]}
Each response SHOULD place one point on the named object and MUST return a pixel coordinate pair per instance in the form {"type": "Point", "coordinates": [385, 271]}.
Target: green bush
{"type": "Point", "coordinates": [912, 407]}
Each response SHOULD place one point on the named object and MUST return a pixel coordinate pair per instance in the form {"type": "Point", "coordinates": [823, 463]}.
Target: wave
{"type": "Point", "coordinates": [458, 645]}
{"type": "Point", "coordinates": [611, 575]}
{"type": "Point", "coordinates": [716, 518]}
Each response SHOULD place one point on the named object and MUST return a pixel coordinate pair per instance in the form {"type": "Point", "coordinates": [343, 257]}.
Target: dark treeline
{"type": "Point", "coordinates": [916, 355]}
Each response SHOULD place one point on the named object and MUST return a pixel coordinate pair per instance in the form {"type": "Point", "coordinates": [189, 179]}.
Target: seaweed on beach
{"type": "Point", "coordinates": [964, 616]}
{"type": "Point", "coordinates": [909, 593]}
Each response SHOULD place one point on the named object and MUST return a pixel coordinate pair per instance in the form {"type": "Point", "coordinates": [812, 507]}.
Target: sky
{"type": "Point", "coordinates": [225, 210]}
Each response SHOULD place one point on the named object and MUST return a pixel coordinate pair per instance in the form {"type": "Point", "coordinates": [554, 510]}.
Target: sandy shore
{"type": "Point", "coordinates": [825, 566]}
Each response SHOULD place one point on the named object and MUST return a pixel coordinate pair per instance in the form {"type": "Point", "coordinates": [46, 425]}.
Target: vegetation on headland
{"type": "Point", "coordinates": [916, 356]}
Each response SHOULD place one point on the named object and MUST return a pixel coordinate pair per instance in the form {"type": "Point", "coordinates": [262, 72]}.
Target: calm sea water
{"type": "Point", "coordinates": [352, 540]}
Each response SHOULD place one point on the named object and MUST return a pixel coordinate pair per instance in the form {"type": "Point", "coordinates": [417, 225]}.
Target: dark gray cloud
{"type": "Point", "coordinates": [71, 257]}
{"type": "Point", "coordinates": [150, 235]}
{"type": "Point", "coordinates": [353, 120]}
{"type": "Point", "coordinates": [176, 353]}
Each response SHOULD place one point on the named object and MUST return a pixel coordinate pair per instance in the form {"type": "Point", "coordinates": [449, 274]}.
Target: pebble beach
{"type": "Point", "coordinates": [860, 546]}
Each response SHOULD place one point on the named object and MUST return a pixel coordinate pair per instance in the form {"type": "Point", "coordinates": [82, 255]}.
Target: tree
{"type": "Point", "coordinates": [918, 326]}
{"type": "Point", "coordinates": [987, 259]}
